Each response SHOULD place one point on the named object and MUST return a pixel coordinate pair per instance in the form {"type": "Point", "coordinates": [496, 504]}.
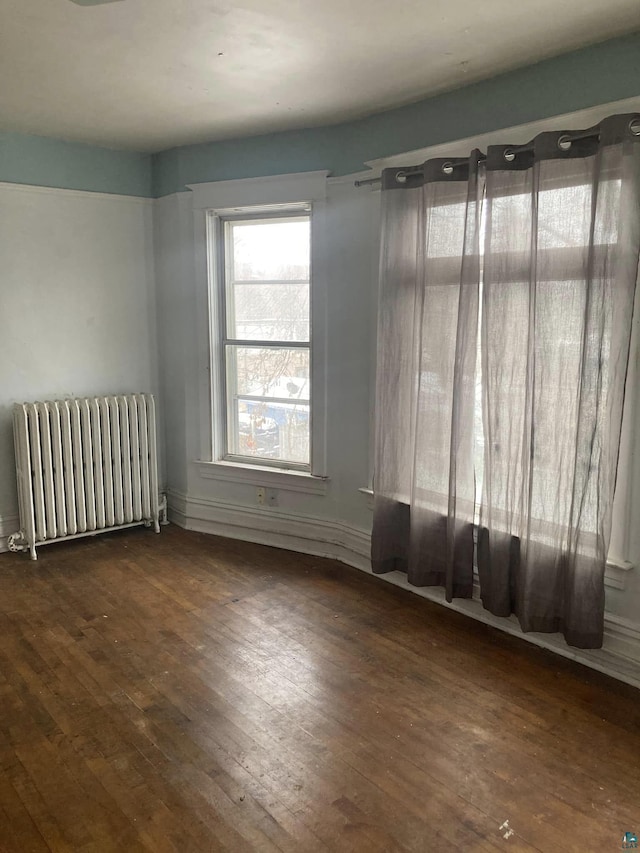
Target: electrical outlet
{"type": "Point", "coordinates": [260, 495]}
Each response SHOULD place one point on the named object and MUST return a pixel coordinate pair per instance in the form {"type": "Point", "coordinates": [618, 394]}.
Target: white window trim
{"type": "Point", "coordinates": [218, 241]}
{"type": "Point", "coordinates": [224, 197]}
{"type": "Point", "coordinates": [263, 475]}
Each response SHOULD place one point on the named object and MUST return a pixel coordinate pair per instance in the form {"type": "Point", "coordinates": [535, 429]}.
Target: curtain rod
{"type": "Point", "coordinates": [402, 174]}
{"type": "Point", "coordinates": [367, 182]}
{"type": "Point", "coordinates": [564, 142]}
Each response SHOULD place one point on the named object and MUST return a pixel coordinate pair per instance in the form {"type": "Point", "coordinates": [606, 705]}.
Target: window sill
{"type": "Point", "coordinates": [615, 572]}
{"type": "Point", "coordinates": [368, 494]}
{"type": "Point", "coordinates": [258, 475]}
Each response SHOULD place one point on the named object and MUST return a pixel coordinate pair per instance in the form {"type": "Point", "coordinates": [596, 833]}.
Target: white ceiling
{"type": "Point", "coordinates": [152, 74]}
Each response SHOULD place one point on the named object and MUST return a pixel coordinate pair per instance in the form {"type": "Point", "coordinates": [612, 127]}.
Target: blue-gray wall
{"type": "Point", "coordinates": [45, 162]}
{"type": "Point", "coordinates": [605, 72]}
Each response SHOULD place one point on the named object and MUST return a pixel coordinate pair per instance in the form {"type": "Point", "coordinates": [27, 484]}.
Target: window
{"type": "Point", "coordinates": [561, 244]}
{"type": "Point", "coordinates": [264, 336]}
{"type": "Point", "coordinates": [261, 326]}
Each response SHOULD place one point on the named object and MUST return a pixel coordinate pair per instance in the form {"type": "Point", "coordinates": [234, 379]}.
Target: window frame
{"type": "Point", "coordinates": [219, 238]}
{"type": "Point", "coordinates": [226, 198]}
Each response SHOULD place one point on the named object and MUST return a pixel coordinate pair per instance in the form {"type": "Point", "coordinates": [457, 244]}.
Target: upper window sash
{"type": "Point", "coordinates": [295, 330]}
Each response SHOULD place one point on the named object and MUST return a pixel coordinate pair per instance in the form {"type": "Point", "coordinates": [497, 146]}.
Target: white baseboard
{"type": "Point", "coordinates": [8, 524]}
{"type": "Point", "coordinates": [266, 526]}
{"type": "Point", "coordinates": [619, 657]}
{"type": "Point", "coordinates": [622, 638]}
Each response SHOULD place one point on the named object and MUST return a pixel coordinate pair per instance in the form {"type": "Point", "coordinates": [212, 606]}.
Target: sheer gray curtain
{"type": "Point", "coordinates": [560, 268]}
{"type": "Point", "coordinates": [427, 339]}
{"type": "Point", "coordinates": [507, 291]}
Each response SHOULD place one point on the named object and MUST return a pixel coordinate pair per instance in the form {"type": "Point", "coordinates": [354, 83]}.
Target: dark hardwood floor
{"type": "Point", "coordinates": [190, 693]}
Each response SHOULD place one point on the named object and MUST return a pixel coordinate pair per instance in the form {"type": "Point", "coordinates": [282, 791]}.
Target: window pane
{"type": "Point", "coordinates": [277, 250]}
{"type": "Point", "coordinates": [511, 218]}
{"type": "Point", "coordinates": [269, 312]}
{"type": "Point", "coordinates": [257, 372]}
{"type": "Point", "coordinates": [268, 403]}
{"type": "Point", "coordinates": [270, 430]}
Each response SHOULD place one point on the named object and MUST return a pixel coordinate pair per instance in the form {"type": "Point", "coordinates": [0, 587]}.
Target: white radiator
{"type": "Point", "coordinates": [85, 467]}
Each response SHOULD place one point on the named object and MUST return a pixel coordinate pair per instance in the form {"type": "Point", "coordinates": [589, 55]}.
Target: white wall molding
{"type": "Point", "coordinates": [171, 197]}
{"type": "Point", "coordinates": [8, 524]}
{"type": "Point", "coordinates": [36, 188]}
{"type": "Point", "coordinates": [622, 639]}
{"type": "Point", "coordinates": [267, 190]}
{"type": "Point", "coordinates": [270, 526]}
{"type": "Point", "coordinates": [619, 658]}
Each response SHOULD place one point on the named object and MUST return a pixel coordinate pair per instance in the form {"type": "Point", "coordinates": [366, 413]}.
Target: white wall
{"type": "Point", "coordinates": [77, 304]}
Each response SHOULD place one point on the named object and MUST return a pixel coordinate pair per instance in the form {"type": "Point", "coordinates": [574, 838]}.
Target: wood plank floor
{"type": "Point", "coordinates": [190, 693]}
